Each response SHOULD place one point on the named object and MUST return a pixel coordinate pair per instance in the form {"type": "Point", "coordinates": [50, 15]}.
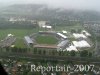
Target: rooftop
{"type": "Point", "coordinates": [62, 43]}
{"type": "Point", "coordinates": [45, 46]}
{"type": "Point", "coordinates": [28, 39]}
{"type": "Point", "coordinates": [81, 44]}
{"type": "Point", "coordinates": [63, 36]}
{"type": "Point", "coordinates": [76, 35]}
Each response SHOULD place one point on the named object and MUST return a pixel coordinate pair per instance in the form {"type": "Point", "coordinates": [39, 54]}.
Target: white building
{"type": "Point", "coordinates": [42, 23]}
{"type": "Point", "coordinates": [48, 27]}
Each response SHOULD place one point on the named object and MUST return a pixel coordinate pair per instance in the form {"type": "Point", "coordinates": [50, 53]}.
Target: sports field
{"type": "Point", "coordinates": [47, 39]}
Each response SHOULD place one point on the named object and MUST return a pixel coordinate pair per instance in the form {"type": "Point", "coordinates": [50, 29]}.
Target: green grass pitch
{"type": "Point", "coordinates": [47, 39]}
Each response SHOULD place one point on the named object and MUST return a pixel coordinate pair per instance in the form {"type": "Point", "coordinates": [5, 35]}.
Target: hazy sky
{"type": "Point", "coordinates": [73, 4]}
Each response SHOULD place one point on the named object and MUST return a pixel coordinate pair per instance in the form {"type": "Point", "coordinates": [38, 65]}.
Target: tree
{"type": "Point", "coordinates": [44, 52]}
{"type": "Point", "coordinates": [39, 51]}
{"type": "Point", "coordinates": [84, 53]}
{"type": "Point", "coordinates": [90, 54]}
{"type": "Point", "coordinates": [73, 31]}
{"type": "Point", "coordinates": [72, 53]}
{"type": "Point", "coordinates": [35, 50]}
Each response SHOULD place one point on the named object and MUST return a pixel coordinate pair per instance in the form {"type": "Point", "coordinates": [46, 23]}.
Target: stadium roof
{"type": "Point", "coordinates": [63, 36]}
{"type": "Point", "coordinates": [62, 43]}
{"type": "Point", "coordinates": [76, 35]}
{"type": "Point", "coordinates": [81, 44]}
{"type": "Point", "coordinates": [45, 46]}
{"type": "Point", "coordinates": [28, 39]}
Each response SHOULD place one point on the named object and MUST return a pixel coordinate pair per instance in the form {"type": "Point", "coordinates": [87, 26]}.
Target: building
{"type": "Point", "coordinates": [42, 23]}
{"type": "Point", "coordinates": [63, 31]}
{"type": "Point", "coordinates": [47, 27]}
{"type": "Point", "coordinates": [47, 48]}
{"type": "Point", "coordinates": [86, 33]}
{"type": "Point", "coordinates": [28, 41]}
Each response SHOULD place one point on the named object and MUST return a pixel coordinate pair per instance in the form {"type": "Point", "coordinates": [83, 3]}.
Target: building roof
{"type": "Point", "coordinates": [76, 35]}
{"type": "Point", "coordinates": [64, 31]}
{"type": "Point", "coordinates": [28, 39]}
{"type": "Point", "coordinates": [81, 44]}
{"type": "Point", "coordinates": [63, 36]}
{"type": "Point", "coordinates": [62, 43]}
{"type": "Point", "coordinates": [45, 46]}
{"type": "Point", "coordinates": [70, 48]}
{"type": "Point", "coordinates": [86, 33]}
{"type": "Point", "coordinates": [46, 26]}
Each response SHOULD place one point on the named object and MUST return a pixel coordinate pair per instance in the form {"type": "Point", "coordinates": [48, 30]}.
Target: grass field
{"type": "Point", "coordinates": [68, 28]}
{"type": "Point", "coordinates": [19, 34]}
{"type": "Point", "coordinates": [46, 39]}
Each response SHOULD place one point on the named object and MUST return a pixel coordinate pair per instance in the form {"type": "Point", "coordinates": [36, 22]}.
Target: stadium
{"type": "Point", "coordinates": [47, 40]}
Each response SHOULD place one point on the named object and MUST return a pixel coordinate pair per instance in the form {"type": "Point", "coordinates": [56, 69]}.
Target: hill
{"type": "Point", "coordinates": [38, 11]}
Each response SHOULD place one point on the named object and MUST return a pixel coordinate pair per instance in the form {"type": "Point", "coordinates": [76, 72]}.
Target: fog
{"type": "Point", "coordinates": [67, 4]}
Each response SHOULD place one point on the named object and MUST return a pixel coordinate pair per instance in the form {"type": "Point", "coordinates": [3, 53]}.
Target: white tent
{"type": "Point", "coordinates": [81, 44]}
{"type": "Point", "coordinates": [70, 48]}
{"type": "Point", "coordinates": [76, 35]}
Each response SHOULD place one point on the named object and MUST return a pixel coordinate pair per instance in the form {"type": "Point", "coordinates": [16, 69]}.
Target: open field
{"type": "Point", "coordinates": [46, 39]}
{"type": "Point", "coordinates": [68, 28]}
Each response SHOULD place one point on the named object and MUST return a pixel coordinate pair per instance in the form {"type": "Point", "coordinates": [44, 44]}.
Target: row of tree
{"type": "Point", "coordinates": [83, 53]}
